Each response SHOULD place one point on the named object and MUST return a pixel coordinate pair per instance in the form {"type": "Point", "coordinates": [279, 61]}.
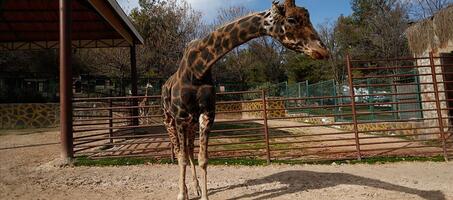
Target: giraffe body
{"type": "Point", "coordinates": [188, 96]}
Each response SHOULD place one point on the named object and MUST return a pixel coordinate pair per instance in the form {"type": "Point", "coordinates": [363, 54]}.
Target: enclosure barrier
{"type": "Point", "coordinates": [397, 107]}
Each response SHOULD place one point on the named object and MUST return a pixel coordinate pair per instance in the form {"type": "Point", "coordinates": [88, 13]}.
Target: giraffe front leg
{"type": "Point", "coordinates": [182, 178]}
{"type": "Point", "coordinates": [206, 121]}
{"type": "Point", "coordinates": [181, 129]}
{"type": "Point", "coordinates": [195, 184]}
{"type": "Point", "coordinates": [191, 140]}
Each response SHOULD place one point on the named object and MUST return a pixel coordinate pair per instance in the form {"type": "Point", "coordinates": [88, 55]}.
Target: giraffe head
{"type": "Point", "coordinates": [292, 27]}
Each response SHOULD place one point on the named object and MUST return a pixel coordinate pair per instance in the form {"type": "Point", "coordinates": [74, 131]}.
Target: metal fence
{"type": "Point", "coordinates": [251, 124]}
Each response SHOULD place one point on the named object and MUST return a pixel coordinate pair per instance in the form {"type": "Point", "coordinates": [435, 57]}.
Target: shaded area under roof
{"type": "Point", "coordinates": [34, 24]}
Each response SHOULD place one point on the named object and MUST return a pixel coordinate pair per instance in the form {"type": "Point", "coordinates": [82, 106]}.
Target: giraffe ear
{"type": "Point", "coordinates": [290, 3]}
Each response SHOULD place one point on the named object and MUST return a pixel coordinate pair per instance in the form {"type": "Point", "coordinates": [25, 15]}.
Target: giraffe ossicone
{"type": "Point", "coordinates": [188, 96]}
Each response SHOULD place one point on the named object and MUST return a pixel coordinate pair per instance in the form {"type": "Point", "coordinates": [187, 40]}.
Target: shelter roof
{"type": "Point", "coordinates": [34, 24]}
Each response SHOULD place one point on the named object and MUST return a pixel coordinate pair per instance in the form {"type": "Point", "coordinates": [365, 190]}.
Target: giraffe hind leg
{"type": "Point", "coordinates": [179, 150]}
{"type": "Point", "coordinates": [170, 125]}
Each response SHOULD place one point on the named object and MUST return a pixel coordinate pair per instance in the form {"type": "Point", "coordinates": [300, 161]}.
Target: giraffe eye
{"type": "Point", "coordinates": [291, 20]}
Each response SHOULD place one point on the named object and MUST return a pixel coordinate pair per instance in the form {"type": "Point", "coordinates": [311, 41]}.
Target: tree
{"type": "Point", "coordinates": [385, 28]}
{"type": "Point", "coordinates": [39, 61]}
{"type": "Point", "coordinates": [255, 62]}
{"type": "Point", "coordinates": [301, 68]}
{"type": "Point", "coordinates": [421, 9]}
{"type": "Point", "coordinates": [335, 61]}
{"type": "Point", "coordinates": [167, 27]}
{"type": "Point", "coordinates": [374, 30]}
{"type": "Point", "coordinates": [232, 68]}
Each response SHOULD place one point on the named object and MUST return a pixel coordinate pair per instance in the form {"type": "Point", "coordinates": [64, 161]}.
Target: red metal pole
{"type": "Point", "coordinates": [353, 107]}
{"type": "Point", "coordinates": [266, 128]}
{"type": "Point", "coordinates": [134, 83]}
{"type": "Point", "coordinates": [438, 105]}
{"type": "Point", "coordinates": [66, 131]}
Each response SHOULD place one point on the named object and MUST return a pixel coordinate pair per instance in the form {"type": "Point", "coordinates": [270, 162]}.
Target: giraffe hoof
{"type": "Point", "coordinates": [198, 191]}
{"type": "Point", "coordinates": [182, 197]}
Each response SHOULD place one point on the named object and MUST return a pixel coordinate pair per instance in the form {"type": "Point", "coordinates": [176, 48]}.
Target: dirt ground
{"type": "Point", "coordinates": [28, 172]}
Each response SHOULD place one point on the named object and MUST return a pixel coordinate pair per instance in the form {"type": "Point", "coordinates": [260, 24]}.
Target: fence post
{"type": "Point", "coordinates": [300, 90]}
{"type": "Point", "coordinates": [110, 117]}
{"type": "Point", "coordinates": [370, 99]}
{"type": "Point", "coordinates": [335, 100]}
{"type": "Point", "coordinates": [438, 104]}
{"type": "Point", "coordinates": [134, 83]}
{"type": "Point", "coordinates": [286, 89]}
{"type": "Point", "coordinates": [353, 107]}
{"type": "Point", "coordinates": [266, 127]}
{"type": "Point", "coordinates": [419, 98]}
{"type": "Point", "coordinates": [307, 95]}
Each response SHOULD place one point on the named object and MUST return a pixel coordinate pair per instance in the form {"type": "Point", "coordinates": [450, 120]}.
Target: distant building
{"type": "Point", "coordinates": [28, 87]}
{"type": "Point", "coordinates": [434, 35]}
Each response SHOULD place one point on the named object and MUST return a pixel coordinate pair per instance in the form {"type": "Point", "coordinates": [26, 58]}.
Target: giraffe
{"type": "Point", "coordinates": [188, 96]}
{"type": "Point", "coordinates": [143, 107]}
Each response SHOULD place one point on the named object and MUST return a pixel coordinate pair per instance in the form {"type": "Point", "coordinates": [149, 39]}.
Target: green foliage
{"type": "Point", "coordinates": [167, 27]}
{"type": "Point", "coordinates": [257, 63]}
{"type": "Point", "coordinates": [300, 68]}
{"type": "Point", "coordinates": [375, 29]}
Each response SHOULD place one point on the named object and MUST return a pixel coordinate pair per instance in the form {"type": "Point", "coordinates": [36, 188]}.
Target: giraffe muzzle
{"type": "Point", "coordinates": [317, 50]}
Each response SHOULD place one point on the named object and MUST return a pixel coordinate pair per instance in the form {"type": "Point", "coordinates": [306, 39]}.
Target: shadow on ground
{"type": "Point", "coordinates": [299, 180]}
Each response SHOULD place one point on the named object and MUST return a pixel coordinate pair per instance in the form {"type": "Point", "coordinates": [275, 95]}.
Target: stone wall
{"type": "Point", "coordinates": [16, 116]}
{"type": "Point", "coordinates": [409, 129]}
{"type": "Point", "coordinates": [259, 106]}
{"type": "Point", "coordinates": [228, 107]}
{"type": "Point", "coordinates": [427, 86]}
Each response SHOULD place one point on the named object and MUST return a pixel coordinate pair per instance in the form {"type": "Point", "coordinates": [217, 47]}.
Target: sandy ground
{"type": "Point", "coordinates": [29, 173]}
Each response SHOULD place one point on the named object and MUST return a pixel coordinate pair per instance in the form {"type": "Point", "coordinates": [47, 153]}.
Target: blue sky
{"type": "Point", "coordinates": [320, 10]}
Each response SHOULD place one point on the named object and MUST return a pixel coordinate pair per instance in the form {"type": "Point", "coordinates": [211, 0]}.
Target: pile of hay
{"type": "Point", "coordinates": [431, 33]}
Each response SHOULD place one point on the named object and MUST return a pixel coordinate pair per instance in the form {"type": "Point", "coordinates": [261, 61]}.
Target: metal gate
{"type": "Point", "coordinates": [388, 116]}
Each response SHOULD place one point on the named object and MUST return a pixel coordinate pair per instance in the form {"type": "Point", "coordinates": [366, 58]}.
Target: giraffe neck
{"type": "Point", "coordinates": [202, 54]}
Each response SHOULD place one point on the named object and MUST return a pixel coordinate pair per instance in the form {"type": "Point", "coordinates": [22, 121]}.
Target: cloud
{"type": "Point", "coordinates": [209, 8]}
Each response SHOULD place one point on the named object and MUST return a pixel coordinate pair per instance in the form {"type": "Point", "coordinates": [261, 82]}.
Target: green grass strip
{"type": "Point", "coordinates": [103, 162]}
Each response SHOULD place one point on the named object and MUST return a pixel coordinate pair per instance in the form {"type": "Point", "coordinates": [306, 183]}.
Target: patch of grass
{"type": "Point", "coordinates": [85, 161]}
{"type": "Point", "coordinates": [378, 160]}
{"type": "Point", "coordinates": [373, 160]}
